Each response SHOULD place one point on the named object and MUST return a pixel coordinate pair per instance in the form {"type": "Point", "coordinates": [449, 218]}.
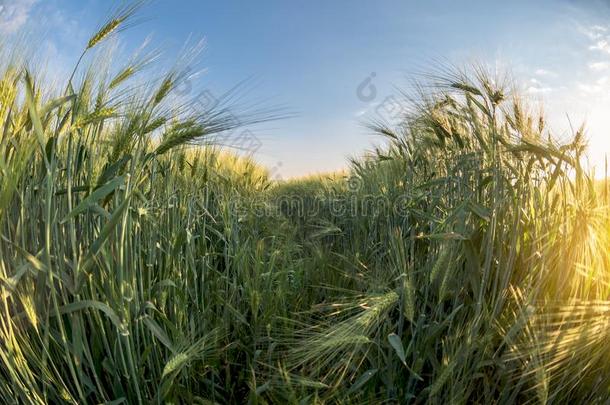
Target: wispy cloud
{"type": "Point", "coordinates": [599, 66]}
{"type": "Point", "coordinates": [595, 86]}
{"type": "Point", "coordinates": [14, 14]}
{"type": "Point", "coordinates": [599, 28]}
{"type": "Point", "coordinates": [537, 87]}
{"type": "Point", "coordinates": [541, 81]}
{"type": "Point", "coordinates": [590, 88]}
{"type": "Point", "coordinates": [544, 72]}
{"type": "Point", "coordinates": [601, 45]}
{"type": "Point", "coordinates": [599, 37]}
{"type": "Point", "coordinates": [538, 90]}
{"type": "Point", "coordinates": [597, 34]}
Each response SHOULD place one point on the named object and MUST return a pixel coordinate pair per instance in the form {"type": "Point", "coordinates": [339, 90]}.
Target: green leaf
{"type": "Point", "coordinates": [36, 123]}
{"type": "Point", "coordinates": [263, 388]}
{"type": "Point", "coordinates": [34, 262]}
{"type": "Point", "coordinates": [94, 197]}
{"type": "Point", "coordinates": [118, 401]}
{"type": "Point", "coordinates": [367, 375]}
{"type": "Point", "coordinates": [53, 104]}
{"type": "Point", "coordinates": [159, 333]}
{"type": "Point", "coordinates": [12, 281]}
{"type": "Point", "coordinates": [100, 306]}
{"type": "Point", "coordinates": [482, 212]}
{"type": "Point", "coordinates": [396, 343]}
{"type": "Point", "coordinates": [110, 170]}
{"type": "Point", "coordinates": [442, 236]}
{"type": "Point", "coordinates": [109, 227]}
{"type": "Point", "coordinates": [101, 239]}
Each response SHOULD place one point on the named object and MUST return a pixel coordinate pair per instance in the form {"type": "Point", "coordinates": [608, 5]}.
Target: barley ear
{"type": "Point", "coordinates": [106, 30]}
{"type": "Point", "coordinates": [116, 21]}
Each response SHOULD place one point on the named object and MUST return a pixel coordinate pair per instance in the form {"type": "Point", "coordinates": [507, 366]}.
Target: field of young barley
{"type": "Point", "coordinates": [467, 262]}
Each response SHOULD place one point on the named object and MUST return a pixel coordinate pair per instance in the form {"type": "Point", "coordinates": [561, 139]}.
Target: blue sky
{"type": "Point", "coordinates": [311, 57]}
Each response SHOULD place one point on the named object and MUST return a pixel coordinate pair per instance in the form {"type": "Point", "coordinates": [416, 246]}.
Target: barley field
{"type": "Point", "coordinates": [140, 262]}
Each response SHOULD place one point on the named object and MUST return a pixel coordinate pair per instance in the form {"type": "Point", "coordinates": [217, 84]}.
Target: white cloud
{"type": "Point", "coordinates": [361, 113]}
{"type": "Point", "coordinates": [13, 14]}
{"type": "Point", "coordinates": [599, 37]}
{"type": "Point", "coordinates": [538, 90]}
{"type": "Point", "coordinates": [590, 88]}
{"type": "Point", "coordinates": [594, 32]}
{"type": "Point", "coordinates": [601, 45]}
{"type": "Point", "coordinates": [599, 66]}
{"type": "Point", "coordinates": [537, 86]}
{"type": "Point", "coordinates": [544, 72]}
